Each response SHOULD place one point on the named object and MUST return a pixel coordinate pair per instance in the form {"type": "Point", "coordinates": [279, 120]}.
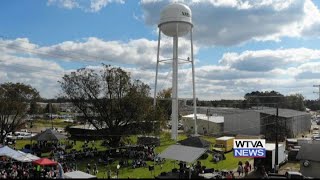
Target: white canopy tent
{"type": "Point", "coordinates": [17, 155]}
{"type": "Point", "coordinates": [20, 156]}
{"type": "Point", "coordinates": [7, 151]}
{"type": "Point", "coordinates": [183, 153]}
{"type": "Point", "coordinates": [32, 157]}
{"type": "Point", "coordinates": [78, 175]}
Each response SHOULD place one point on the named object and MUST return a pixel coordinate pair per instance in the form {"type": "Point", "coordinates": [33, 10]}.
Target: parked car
{"type": "Point", "coordinates": [23, 135]}
{"type": "Point", "coordinates": [316, 137]}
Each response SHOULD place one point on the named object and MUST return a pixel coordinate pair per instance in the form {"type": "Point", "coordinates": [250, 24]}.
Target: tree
{"type": "Point", "coordinates": [165, 103]}
{"type": "Point", "coordinates": [109, 100]}
{"type": "Point", "coordinates": [50, 108]}
{"type": "Point", "coordinates": [267, 98]}
{"type": "Point", "coordinates": [295, 101]}
{"type": "Point", "coordinates": [14, 100]}
{"type": "Point", "coordinates": [34, 108]}
{"type": "Point", "coordinates": [313, 105]}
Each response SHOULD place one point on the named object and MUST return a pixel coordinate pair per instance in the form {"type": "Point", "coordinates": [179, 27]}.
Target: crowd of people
{"type": "Point", "coordinates": [128, 156]}
{"type": "Point", "coordinates": [10, 169]}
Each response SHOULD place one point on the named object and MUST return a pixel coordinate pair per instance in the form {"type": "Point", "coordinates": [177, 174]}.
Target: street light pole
{"type": "Point", "coordinates": [277, 143]}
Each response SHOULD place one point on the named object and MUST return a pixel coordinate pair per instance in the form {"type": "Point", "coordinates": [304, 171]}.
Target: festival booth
{"type": "Point", "coordinates": [44, 162]}
{"type": "Point", "coordinates": [47, 139]}
{"type": "Point", "coordinates": [49, 135]}
{"type": "Point", "coordinates": [78, 175]}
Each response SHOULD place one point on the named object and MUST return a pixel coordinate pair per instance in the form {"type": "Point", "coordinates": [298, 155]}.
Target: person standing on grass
{"type": "Point", "coordinates": [246, 169]}
{"type": "Point", "coordinates": [95, 169]}
{"type": "Point", "coordinates": [240, 168]}
{"type": "Point", "coordinates": [109, 174]}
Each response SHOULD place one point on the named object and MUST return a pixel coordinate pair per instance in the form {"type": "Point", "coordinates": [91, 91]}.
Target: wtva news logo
{"type": "Point", "coordinates": [249, 148]}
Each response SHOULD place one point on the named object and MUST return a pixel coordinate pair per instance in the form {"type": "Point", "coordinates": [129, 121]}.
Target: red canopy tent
{"type": "Point", "coordinates": [44, 162]}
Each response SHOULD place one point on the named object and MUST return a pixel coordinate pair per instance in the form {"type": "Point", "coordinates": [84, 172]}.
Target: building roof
{"type": "Point", "coordinates": [195, 142]}
{"type": "Point", "coordinates": [182, 153]}
{"type": "Point", "coordinates": [84, 126]}
{"type": "Point", "coordinates": [214, 119]}
{"type": "Point", "coordinates": [224, 138]}
{"type": "Point", "coordinates": [272, 146]}
{"type": "Point", "coordinates": [49, 135]}
{"type": "Point", "coordinates": [287, 113]}
{"type": "Point", "coordinates": [309, 152]}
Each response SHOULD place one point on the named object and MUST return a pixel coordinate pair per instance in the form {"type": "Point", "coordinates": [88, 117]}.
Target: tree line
{"type": "Point", "coordinates": [262, 98]}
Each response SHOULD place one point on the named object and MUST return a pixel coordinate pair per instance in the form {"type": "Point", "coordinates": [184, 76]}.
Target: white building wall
{"type": "Point", "coordinates": [210, 127]}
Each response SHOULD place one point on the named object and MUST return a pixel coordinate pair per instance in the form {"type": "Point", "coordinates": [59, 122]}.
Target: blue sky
{"type": "Point", "coordinates": [240, 46]}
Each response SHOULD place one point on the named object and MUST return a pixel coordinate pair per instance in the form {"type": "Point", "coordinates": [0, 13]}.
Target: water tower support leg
{"type": "Point", "coordinates": [174, 118]}
{"type": "Point", "coordinates": [194, 89]}
{"type": "Point", "coordinates": [156, 82]}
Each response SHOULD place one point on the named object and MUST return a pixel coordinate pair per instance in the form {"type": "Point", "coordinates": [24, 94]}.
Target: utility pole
{"type": "Point", "coordinates": [277, 143]}
{"type": "Point", "coordinates": [318, 91]}
{"type": "Point", "coordinates": [50, 110]}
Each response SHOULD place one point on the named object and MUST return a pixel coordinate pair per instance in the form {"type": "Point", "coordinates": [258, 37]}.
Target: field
{"type": "Point", "coordinates": [230, 163]}
{"type": "Point", "coordinates": [40, 125]}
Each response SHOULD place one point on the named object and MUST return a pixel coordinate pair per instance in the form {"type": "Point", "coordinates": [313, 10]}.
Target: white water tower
{"type": "Point", "coordinates": [176, 21]}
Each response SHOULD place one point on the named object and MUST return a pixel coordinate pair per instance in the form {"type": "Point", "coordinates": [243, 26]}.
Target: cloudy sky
{"type": "Point", "coordinates": [240, 45]}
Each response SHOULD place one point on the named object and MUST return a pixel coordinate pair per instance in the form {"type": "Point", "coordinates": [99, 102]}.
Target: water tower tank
{"type": "Point", "coordinates": [173, 14]}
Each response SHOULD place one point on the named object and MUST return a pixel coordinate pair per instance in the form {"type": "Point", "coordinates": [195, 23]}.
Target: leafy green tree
{"type": "Point", "coordinates": [14, 100]}
{"type": "Point", "coordinates": [164, 103]}
{"type": "Point", "coordinates": [109, 100]}
{"type": "Point", "coordinates": [295, 101]}
{"type": "Point", "coordinates": [267, 98]}
{"type": "Point", "coordinates": [313, 105]}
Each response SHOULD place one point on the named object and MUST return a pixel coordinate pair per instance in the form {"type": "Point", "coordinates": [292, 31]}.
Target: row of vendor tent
{"type": "Point", "coordinates": [17, 155]}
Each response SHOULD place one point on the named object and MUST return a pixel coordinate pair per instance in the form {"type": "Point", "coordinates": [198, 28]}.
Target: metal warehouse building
{"type": "Point", "coordinates": [291, 122]}
{"type": "Point", "coordinates": [261, 121]}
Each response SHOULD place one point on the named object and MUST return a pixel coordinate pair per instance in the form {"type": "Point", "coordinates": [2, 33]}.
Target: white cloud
{"type": "Point", "coordinates": [286, 70]}
{"type": "Point", "coordinates": [266, 60]}
{"type": "Point", "coordinates": [68, 4]}
{"type": "Point", "coordinates": [85, 5]}
{"type": "Point", "coordinates": [226, 23]}
{"type": "Point", "coordinates": [40, 74]}
{"type": "Point", "coordinates": [138, 52]}
{"type": "Point", "coordinates": [97, 5]}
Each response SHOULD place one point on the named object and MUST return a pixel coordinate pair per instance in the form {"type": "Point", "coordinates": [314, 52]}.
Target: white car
{"type": "Point", "coordinates": [23, 135]}
{"type": "Point", "coordinates": [316, 137]}
{"type": "Point", "coordinates": [68, 120]}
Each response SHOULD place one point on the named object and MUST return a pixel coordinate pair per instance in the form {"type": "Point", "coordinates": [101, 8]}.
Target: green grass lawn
{"type": "Point", "coordinates": [230, 163]}
{"type": "Point", "coordinates": [57, 123]}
